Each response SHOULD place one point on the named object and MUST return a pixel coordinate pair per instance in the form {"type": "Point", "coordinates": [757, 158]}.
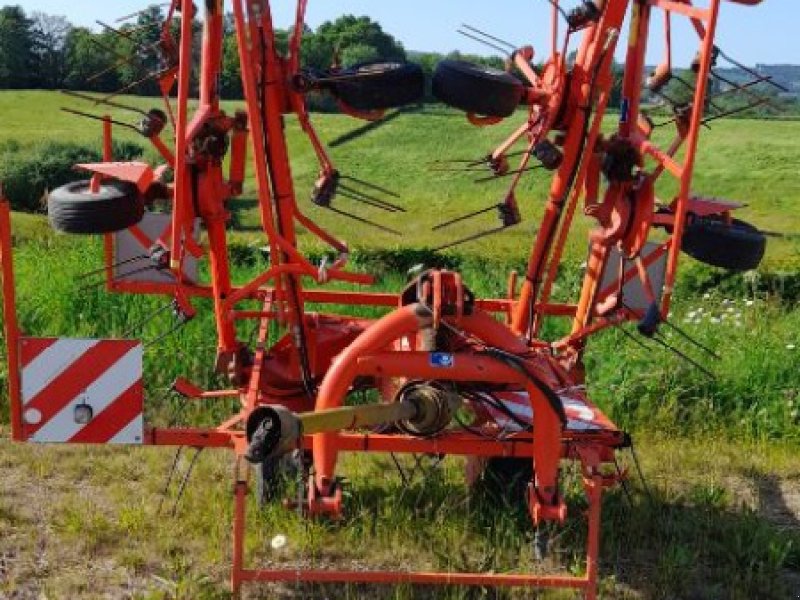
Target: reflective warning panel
{"type": "Point", "coordinates": [82, 391]}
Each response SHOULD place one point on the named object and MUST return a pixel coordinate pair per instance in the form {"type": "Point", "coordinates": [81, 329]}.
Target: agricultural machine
{"type": "Point", "coordinates": [438, 353]}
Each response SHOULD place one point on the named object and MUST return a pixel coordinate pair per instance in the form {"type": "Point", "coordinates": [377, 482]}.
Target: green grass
{"type": "Point", "coordinates": [723, 519]}
{"type": "Point", "coordinates": [755, 162]}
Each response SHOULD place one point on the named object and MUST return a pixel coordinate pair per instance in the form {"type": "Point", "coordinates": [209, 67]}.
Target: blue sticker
{"type": "Point", "coordinates": [442, 360]}
{"type": "Point", "coordinates": [624, 109]}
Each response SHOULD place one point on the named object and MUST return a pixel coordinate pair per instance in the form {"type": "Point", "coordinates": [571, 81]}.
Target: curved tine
{"type": "Point", "coordinates": [689, 338]}
{"type": "Point", "coordinates": [168, 483]}
{"type": "Point", "coordinates": [130, 86]}
{"type": "Point", "coordinates": [464, 169]}
{"type": "Point", "coordinates": [139, 12]}
{"type": "Point", "coordinates": [185, 480]}
{"type": "Point", "coordinates": [96, 284]}
{"type": "Point", "coordinates": [136, 327]}
{"type": "Point", "coordinates": [458, 161]}
{"type": "Point", "coordinates": [113, 266]}
{"type": "Point", "coordinates": [685, 357]}
{"type": "Point", "coordinates": [484, 42]}
{"type": "Point", "coordinates": [89, 98]}
{"type": "Point", "coordinates": [86, 115]}
{"type": "Point", "coordinates": [489, 36]}
{"type": "Point", "coordinates": [508, 174]}
{"type": "Point", "coordinates": [746, 69]}
{"type": "Point", "coordinates": [744, 88]}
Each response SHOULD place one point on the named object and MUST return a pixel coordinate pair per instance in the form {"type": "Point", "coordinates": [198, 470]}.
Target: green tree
{"type": "Point", "coordinates": [344, 35]}
{"type": "Point", "coordinates": [359, 53]}
{"type": "Point", "coordinates": [140, 42]}
{"type": "Point", "coordinates": [16, 48]}
{"type": "Point", "coordinates": [230, 78]}
{"type": "Point", "coordinates": [88, 66]}
{"type": "Point", "coordinates": [49, 49]}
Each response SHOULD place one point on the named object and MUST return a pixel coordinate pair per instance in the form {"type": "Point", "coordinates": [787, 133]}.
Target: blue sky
{"type": "Point", "coordinates": [761, 34]}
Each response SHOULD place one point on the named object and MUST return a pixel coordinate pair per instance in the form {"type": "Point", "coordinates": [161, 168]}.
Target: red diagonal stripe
{"type": "Point", "coordinates": [113, 419]}
{"type": "Point", "coordinates": [75, 379]}
{"type": "Point", "coordinates": [141, 237]}
{"type": "Point", "coordinates": [33, 347]}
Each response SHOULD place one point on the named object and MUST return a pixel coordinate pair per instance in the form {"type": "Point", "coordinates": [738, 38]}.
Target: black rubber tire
{"type": "Point", "coordinates": [385, 85]}
{"type": "Point", "coordinates": [737, 247]}
{"type": "Point", "coordinates": [73, 208]}
{"type": "Point", "coordinates": [275, 476]}
{"type": "Point", "coordinates": [477, 89]}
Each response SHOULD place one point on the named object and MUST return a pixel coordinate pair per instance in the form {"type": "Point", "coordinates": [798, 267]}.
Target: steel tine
{"type": "Point", "coordinates": [689, 338]}
{"type": "Point", "coordinates": [484, 42]}
{"type": "Point", "coordinates": [130, 86]}
{"type": "Point", "coordinates": [181, 323]}
{"type": "Point", "coordinates": [631, 336]}
{"type": "Point", "coordinates": [139, 12]}
{"type": "Point", "coordinates": [171, 475]}
{"type": "Point", "coordinates": [489, 36]}
{"type": "Point", "coordinates": [98, 118]}
{"type": "Point", "coordinates": [119, 62]}
{"type": "Point", "coordinates": [733, 111]}
{"type": "Point", "coordinates": [96, 284]}
{"type": "Point", "coordinates": [113, 266]}
{"type": "Point", "coordinates": [745, 89]}
{"type": "Point", "coordinates": [508, 174]}
{"type": "Point", "coordinates": [185, 480]}
{"type": "Point", "coordinates": [685, 357]}
{"type": "Point", "coordinates": [89, 98]}
{"type": "Point", "coordinates": [746, 69]}
{"type": "Point", "coordinates": [143, 322]}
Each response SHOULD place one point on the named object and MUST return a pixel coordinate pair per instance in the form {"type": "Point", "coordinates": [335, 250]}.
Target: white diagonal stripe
{"type": "Point", "coordinates": [99, 394]}
{"type": "Point", "coordinates": [132, 433]}
{"type": "Point", "coordinates": [50, 364]}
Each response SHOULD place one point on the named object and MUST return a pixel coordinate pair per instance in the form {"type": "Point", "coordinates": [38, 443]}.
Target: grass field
{"type": "Point", "coordinates": [722, 515]}
{"type": "Point", "coordinates": [755, 162]}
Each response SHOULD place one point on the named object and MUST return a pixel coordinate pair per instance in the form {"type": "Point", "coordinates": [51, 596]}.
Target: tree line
{"type": "Point", "coordinates": [41, 51]}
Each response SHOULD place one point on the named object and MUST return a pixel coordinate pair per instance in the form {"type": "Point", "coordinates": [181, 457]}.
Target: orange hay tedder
{"type": "Point", "coordinates": [439, 352]}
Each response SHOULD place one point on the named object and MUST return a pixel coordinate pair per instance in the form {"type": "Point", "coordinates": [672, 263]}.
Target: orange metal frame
{"type": "Point", "coordinates": [573, 105]}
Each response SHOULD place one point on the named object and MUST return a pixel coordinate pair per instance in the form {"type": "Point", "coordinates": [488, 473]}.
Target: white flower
{"type": "Point", "coordinates": [791, 347]}
{"type": "Point", "coordinates": [706, 296]}
{"type": "Point", "coordinates": [691, 315]}
{"type": "Point", "coordinates": [278, 542]}
{"type": "Point", "coordinates": [750, 302]}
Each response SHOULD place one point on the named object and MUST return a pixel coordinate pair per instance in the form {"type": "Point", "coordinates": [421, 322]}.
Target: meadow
{"type": "Point", "coordinates": [718, 516]}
